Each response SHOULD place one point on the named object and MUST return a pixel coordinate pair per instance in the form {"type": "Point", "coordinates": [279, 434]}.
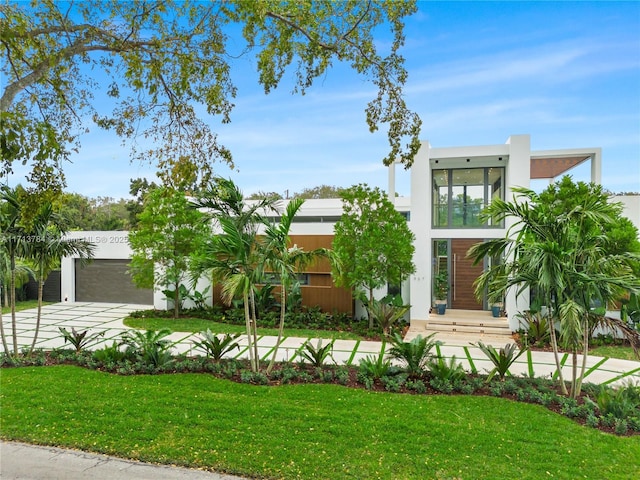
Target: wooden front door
{"type": "Point", "coordinates": [463, 274]}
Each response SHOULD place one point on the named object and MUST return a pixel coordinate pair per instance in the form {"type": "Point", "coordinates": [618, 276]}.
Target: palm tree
{"type": "Point", "coordinates": [232, 256]}
{"type": "Point", "coordinates": [13, 244]}
{"type": "Point", "coordinates": [285, 261]}
{"type": "Point", "coordinates": [563, 256]}
{"type": "Point", "coordinates": [46, 249]}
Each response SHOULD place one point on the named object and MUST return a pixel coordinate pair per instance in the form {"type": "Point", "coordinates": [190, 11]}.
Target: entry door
{"type": "Point", "coordinates": [463, 274]}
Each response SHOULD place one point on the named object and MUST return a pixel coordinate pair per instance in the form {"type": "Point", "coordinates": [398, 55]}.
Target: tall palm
{"type": "Point", "coordinates": [285, 261]}
{"type": "Point", "coordinates": [47, 247]}
{"type": "Point", "coordinates": [564, 257]}
{"type": "Point", "coordinates": [14, 240]}
{"type": "Point", "coordinates": [232, 255]}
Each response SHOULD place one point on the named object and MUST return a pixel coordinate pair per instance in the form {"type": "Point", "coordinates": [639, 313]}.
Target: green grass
{"type": "Point", "coordinates": [614, 351]}
{"type": "Point", "coordinates": [304, 431]}
{"type": "Point", "coordinates": [25, 305]}
{"type": "Point", "coordinates": [200, 325]}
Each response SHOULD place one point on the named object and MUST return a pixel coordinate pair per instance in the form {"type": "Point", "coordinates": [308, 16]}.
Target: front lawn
{"type": "Point", "coordinates": [614, 351]}
{"type": "Point", "coordinates": [199, 325]}
{"type": "Point", "coordinates": [24, 305]}
{"type": "Point", "coordinates": [304, 431]}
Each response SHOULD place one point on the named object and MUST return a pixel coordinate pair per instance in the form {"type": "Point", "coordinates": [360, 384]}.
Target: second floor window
{"type": "Point", "coordinates": [460, 194]}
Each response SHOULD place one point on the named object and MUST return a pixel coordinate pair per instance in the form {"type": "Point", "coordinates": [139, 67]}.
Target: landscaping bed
{"type": "Point", "coordinates": [597, 407]}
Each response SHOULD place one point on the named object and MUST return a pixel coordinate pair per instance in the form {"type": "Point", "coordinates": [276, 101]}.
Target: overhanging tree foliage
{"type": "Point", "coordinates": [160, 62]}
{"type": "Point", "coordinates": [373, 244]}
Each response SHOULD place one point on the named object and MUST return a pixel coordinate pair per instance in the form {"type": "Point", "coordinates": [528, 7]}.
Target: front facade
{"type": "Point", "coordinates": [449, 188]}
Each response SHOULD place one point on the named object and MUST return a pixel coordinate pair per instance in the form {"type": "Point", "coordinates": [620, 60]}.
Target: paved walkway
{"type": "Point", "coordinates": [29, 462]}
{"type": "Point", "coordinates": [21, 461]}
{"type": "Point", "coordinates": [107, 318]}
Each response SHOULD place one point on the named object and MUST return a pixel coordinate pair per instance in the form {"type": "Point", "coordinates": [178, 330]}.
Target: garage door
{"type": "Point", "coordinates": [108, 281]}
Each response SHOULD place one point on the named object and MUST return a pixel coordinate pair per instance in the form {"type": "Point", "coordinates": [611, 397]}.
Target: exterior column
{"type": "Point", "coordinates": [420, 224]}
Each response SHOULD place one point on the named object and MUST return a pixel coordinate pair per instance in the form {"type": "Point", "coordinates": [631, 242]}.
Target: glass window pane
{"type": "Point", "coordinates": [467, 197]}
{"type": "Point", "coordinates": [471, 190]}
{"type": "Point", "coordinates": [495, 188]}
{"type": "Point", "coordinates": [440, 197]}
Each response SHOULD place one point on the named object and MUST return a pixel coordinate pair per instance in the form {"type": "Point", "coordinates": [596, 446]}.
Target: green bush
{"type": "Point", "coordinates": [151, 347]}
{"type": "Point", "coordinates": [110, 354]}
{"type": "Point", "coordinates": [318, 355]}
{"type": "Point", "coordinates": [374, 367]}
{"type": "Point", "coordinates": [620, 403]}
{"type": "Point", "coordinates": [79, 340]}
{"type": "Point", "coordinates": [450, 372]}
{"type": "Point", "coordinates": [502, 359]}
{"type": "Point", "coordinates": [415, 355]}
{"type": "Point", "coordinates": [215, 347]}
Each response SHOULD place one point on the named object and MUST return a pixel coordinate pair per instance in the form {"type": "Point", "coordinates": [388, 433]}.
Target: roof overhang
{"type": "Point", "coordinates": [552, 164]}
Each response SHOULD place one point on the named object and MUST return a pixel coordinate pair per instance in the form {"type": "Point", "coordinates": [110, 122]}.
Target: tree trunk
{"type": "Point", "coordinates": [4, 337]}
{"type": "Point", "coordinates": [554, 345]}
{"type": "Point", "coordinates": [247, 318]}
{"type": "Point", "coordinates": [368, 311]}
{"type": "Point", "coordinates": [39, 315]}
{"type": "Point", "coordinates": [176, 300]}
{"type": "Point", "coordinates": [254, 324]}
{"type": "Point", "coordinates": [283, 299]}
{"type": "Point", "coordinates": [13, 304]}
{"type": "Point", "coordinates": [574, 371]}
{"type": "Point", "coordinates": [585, 353]}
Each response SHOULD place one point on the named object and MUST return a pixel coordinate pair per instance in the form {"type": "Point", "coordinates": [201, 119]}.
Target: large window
{"type": "Point", "coordinates": [459, 195]}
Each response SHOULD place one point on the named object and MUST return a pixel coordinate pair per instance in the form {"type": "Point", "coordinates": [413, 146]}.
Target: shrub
{"type": "Point", "coordinates": [150, 347]}
{"type": "Point", "coordinates": [414, 355]}
{"type": "Point", "coordinates": [502, 359]}
{"type": "Point", "coordinates": [449, 372]}
{"type": "Point", "coordinates": [316, 356]}
{"type": "Point", "coordinates": [387, 312]}
{"type": "Point", "coordinates": [620, 403]}
{"type": "Point", "coordinates": [78, 339]}
{"type": "Point", "coordinates": [441, 385]}
{"type": "Point", "coordinates": [417, 386]}
{"type": "Point", "coordinates": [110, 354]}
{"type": "Point", "coordinates": [393, 384]}
{"type": "Point", "coordinates": [215, 347]}
{"type": "Point", "coordinates": [256, 378]}
{"type": "Point", "coordinates": [536, 328]}
{"type": "Point", "coordinates": [621, 427]}
{"type": "Point", "coordinates": [374, 367]}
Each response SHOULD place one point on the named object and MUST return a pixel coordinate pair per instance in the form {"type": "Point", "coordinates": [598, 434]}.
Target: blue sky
{"type": "Point", "coordinates": [568, 73]}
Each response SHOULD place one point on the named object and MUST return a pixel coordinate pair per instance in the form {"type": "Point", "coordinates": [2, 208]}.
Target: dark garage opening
{"type": "Point", "coordinates": [107, 280]}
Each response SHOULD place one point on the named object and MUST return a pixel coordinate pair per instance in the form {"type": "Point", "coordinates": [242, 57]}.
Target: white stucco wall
{"type": "Point", "coordinates": [631, 205]}
{"type": "Point", "coordinates": [108, 245]}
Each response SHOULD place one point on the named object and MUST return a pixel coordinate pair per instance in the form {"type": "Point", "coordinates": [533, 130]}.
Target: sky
{"type": "Point", "coordinates": [567, 73]}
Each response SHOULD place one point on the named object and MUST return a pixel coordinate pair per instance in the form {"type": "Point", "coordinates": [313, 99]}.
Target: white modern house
{"type": "Point", "coordinates": [449, 188]}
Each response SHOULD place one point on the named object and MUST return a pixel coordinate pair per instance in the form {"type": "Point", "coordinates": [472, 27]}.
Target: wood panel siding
{"type": "Point", "coordinates": [321, 291]}
{"type": "Point", "coordinates": [464, 274]}
{"type": "Point", "coordinates": [313, 242]}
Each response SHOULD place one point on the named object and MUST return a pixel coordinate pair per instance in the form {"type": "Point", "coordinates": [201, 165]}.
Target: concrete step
{"type": "Point", "coordinates": [498, 330]}
{"type": "Point", "coordinates": [475, 322]}
{"type": "Point", "coordinates": [461, 339]}
{"type": "Point", "coordinates": [464, 327]}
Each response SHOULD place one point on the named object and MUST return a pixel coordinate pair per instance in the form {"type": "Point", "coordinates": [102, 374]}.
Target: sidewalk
{"type": "Point", "coordinates": [21, 461]}
{"type": "Point", "coordinates": [107, 318]}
